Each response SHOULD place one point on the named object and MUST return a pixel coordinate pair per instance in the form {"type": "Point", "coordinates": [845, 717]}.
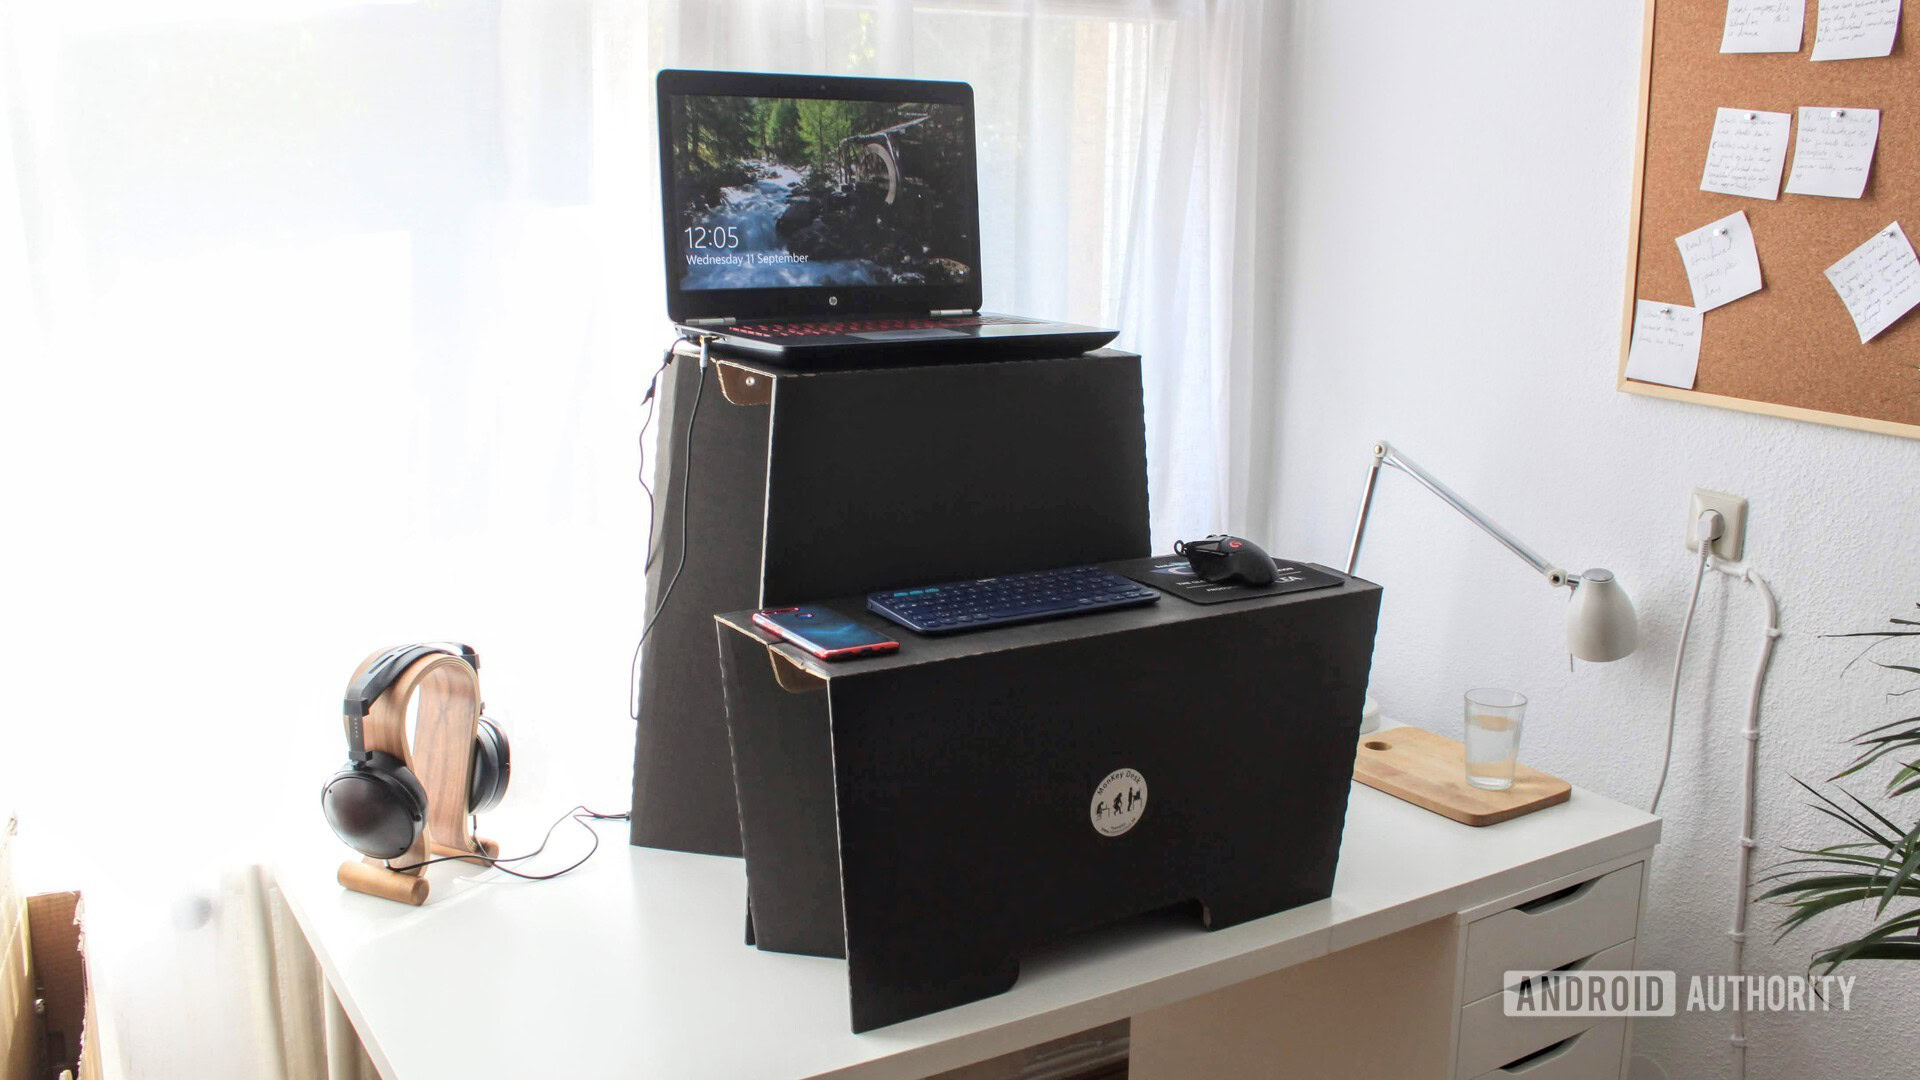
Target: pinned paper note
{"type": "Point", "coordinates": [1879, 281]}
{"type": "Point", "coordinates": [1763, 26]}
{"type": "Point", "coordinates": [1855, 29]}
{"type": "Point", "coordinates": [1746, 154]}
{"type": "Point", "coordinates": [1722, 265]}
{"type": "Point", "coordinates": [1834, 153]}
{"type": "Point", "coordinates": [1666, 344]}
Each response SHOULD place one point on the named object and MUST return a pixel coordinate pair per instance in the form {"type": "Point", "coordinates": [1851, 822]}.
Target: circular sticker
{"type": "Point", "coordinates": [1118, 802]}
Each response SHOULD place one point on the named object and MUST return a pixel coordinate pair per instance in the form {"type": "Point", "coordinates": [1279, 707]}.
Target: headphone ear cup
{"type": "Point", "coordinates": [377, 807]}
{"type": "Point", "coordinates": [491, 769]}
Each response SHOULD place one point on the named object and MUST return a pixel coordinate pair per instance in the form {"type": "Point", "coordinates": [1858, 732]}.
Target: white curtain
{"type": "Point", "coordinates": [324, 324]}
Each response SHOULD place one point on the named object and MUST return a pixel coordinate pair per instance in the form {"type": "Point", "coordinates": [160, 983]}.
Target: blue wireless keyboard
{"type": "Point", "coordinates": [1012, 598]}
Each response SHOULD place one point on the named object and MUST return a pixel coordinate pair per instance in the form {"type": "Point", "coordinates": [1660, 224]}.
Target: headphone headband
{"type": "Point", "coordinates": [380, 675]}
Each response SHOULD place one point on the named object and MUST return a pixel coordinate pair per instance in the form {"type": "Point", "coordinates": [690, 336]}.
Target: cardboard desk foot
{"type": "Point", "coordinates": [1227, 908]}
{"type": "Point", "coordinates": [899, 985]}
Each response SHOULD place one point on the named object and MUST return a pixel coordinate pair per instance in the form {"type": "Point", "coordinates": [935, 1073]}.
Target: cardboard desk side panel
{"type": "Point", "coordinates": [915, 476]}
{"type": "Point", "coordinates": [682, 771]}
{"type": "Point", "coordinates": [783, 774]}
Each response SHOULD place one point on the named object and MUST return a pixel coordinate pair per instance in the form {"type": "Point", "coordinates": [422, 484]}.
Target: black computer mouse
{"type": "Point", "coordinates": [1221, 558]}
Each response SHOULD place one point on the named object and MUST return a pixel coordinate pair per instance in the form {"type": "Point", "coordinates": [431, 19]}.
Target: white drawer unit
{"type": "Point", "coordinates": [1548, 931]}
{"type": "Point", "coordinates": [1491, 1040]}
{"type": "Point", "coordinates": [1585, 924]}
{"type": "Point", "coordinates": [1593, 1054]}
{"type": "Point", "coordinates": [1424, 1002]}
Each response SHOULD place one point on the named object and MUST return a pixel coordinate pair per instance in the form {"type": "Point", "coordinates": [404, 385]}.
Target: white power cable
{"type": "Point", "coordinates": [1705, 530]}
{"type": "Point", "coordinates": [1748, 788]}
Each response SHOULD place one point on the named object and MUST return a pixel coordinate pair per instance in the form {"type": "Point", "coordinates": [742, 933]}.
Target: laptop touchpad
{"type": "Point", "coordinates": [924, 334]}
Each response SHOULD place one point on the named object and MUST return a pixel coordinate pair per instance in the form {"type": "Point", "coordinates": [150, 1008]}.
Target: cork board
{"type": "Point", "coordinates": [1790, 349]}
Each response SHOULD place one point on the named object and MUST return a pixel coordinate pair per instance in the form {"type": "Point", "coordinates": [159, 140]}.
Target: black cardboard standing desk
{"type": "Point", "coordinates": [935, 813]}
{"type": "Point", "coordinates": [929, 815]}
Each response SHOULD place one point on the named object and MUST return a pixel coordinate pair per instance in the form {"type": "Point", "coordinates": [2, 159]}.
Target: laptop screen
{"type": "Point", "coordinates": [801, 195]}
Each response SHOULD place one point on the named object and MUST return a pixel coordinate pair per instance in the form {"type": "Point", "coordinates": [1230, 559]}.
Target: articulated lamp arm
{"type": "Point", "coordinates": [1601, 624]}
{"type": "Point", "coordinates": [1385, 454]}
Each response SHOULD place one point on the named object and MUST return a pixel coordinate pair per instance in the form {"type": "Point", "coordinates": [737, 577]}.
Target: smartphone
{"type": "Point", "coordinates": [828, 635]}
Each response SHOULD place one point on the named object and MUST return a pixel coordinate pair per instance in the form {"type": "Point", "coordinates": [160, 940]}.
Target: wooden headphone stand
{"type": "Point", "coordinates": [441, 756]}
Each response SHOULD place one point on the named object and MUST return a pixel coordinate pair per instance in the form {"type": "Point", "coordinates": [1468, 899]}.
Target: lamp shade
{"type": "Point", "coordinates": [1601, 625]}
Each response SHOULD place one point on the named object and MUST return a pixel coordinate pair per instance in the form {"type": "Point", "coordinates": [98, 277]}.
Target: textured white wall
{"type": "Point", "coordinates": [1457, 212]}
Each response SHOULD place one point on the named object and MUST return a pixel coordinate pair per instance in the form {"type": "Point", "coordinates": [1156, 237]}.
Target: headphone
{"type": "Point", "coordinates": [374, 803]}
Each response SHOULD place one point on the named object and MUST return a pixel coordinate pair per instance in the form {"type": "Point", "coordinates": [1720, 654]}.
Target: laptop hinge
{"type": "Point", "coordinates": [707, 322]}
{"type": "Point", "coordinates": [942, 312]}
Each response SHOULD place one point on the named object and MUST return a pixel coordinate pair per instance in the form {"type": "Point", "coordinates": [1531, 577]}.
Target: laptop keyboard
{"type": "Point", "coordinates": [867, 326]}
{"type": "Point", "coordinates": [1011, 598]}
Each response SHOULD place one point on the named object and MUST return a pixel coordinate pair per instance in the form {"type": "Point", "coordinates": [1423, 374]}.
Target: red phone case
{"type": "Point", "coordinates": [792, 636]}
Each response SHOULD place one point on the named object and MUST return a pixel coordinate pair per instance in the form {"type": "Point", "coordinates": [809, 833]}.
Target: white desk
{"type": "Point", "coordinates": [634, 966]}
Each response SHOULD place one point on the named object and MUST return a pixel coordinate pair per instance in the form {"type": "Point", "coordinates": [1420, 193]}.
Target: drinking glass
{"type": "Point", "coordinates": [1493, 737]}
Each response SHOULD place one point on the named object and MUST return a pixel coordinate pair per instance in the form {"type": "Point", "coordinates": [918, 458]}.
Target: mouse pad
{"type": "Point", "coordinates": [1170, 573]}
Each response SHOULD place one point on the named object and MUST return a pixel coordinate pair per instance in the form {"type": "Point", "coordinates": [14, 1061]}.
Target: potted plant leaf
{"type": "Point", "coordinates": [1877, 864]}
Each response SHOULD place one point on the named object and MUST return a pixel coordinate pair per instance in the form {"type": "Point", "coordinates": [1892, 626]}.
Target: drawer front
{"type": "Point", "coordinates": [1594, 1054]}
{"type": "Point", "coordinates": [1490, 1040]}
{"type": "Point", "coordinates": [1553, 930]}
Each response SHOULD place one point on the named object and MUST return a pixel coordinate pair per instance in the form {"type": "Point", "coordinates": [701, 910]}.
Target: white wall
{"type": "Point", "coordinates": [1457, 207]}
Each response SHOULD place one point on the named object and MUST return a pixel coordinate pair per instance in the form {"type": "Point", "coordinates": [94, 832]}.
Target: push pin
{"type": "Point", "coordinates": [1667, 311]}
{"type": "Point", "coordinates": [1721, 231]}
{"type": "Point", "coordinates": [1839, 114]}
{"type": "Point", "coordinates": [1753, 116]}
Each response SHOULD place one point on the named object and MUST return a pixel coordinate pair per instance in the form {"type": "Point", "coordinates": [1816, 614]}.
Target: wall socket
{"type": "Point", "coordinates": [1732, 543]}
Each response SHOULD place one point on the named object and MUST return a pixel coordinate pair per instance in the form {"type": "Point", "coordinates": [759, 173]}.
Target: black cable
{"type": "Point", "coordinates": [686, 490]}
{"type": "Point", "coordinates": [580, 814]}
{"type": "Point", "coordinates": [652, 402]}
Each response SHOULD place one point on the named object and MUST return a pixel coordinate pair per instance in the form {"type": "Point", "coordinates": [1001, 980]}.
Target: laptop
{"type": "Point", "coordinates": [813, 220]}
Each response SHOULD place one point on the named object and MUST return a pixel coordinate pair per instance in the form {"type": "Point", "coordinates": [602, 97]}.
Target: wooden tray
{"type": "Point", "coordinates": [1429, 771]}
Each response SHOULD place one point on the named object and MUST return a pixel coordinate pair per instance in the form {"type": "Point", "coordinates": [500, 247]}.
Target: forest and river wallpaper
{"type": "Point", "coordinates": [778, 192]}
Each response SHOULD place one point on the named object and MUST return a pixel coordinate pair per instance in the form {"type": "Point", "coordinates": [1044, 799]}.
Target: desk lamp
{"type": "Point", "coordinates": [1601, 625]}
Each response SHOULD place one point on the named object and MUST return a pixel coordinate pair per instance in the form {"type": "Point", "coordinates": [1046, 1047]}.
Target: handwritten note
{"type": "Point", "coordinates": [1666, 344]}
{"type": "Point", "coordinates": [1855, 29]}
{"type": "Point", "coordinates": [1747, 152]}
{"type": "Point", "coordinates": [1879, 281]}
{"type": "Point", "coordinates": [1722, 265]}
{"type": "Point", "coordinates": [1834, 153]}
{"type": "Point", "coordinates": [1761, 26]}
